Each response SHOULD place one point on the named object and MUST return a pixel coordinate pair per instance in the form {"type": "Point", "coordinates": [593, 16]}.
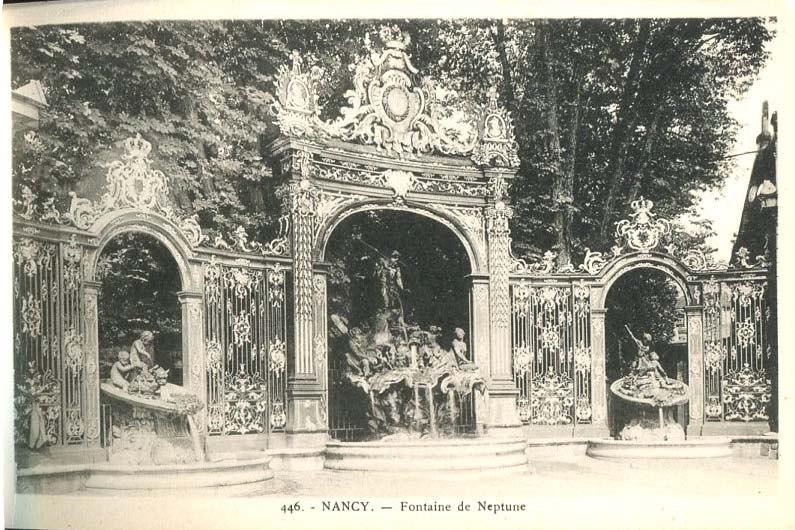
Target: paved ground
{"type": "Point", "coordinates": [577, 475]}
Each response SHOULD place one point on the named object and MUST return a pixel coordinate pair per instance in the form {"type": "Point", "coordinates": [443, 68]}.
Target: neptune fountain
{"type": "Point", "coordinates": [412, 387]}
{"type": "Point", "coordinates": [411, 383]}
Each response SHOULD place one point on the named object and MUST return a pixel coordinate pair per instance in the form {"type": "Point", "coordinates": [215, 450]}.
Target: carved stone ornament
{"type": "Point", "coordinates": [401, 182]}
{"type": "Point", "coordinates": [391, 109]}
{"type": "Point", "coordinates": [295, 107]}
{"type": "Point", "coordinates": [642, 231]}
{"type": "Point", "coordinates": [132, 183]}
{"type": "Point", "coordinates": [496, 143]}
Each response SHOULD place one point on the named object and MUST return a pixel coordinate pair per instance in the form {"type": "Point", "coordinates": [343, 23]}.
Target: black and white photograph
{"type": "Point", "coordinates": [339, 270]}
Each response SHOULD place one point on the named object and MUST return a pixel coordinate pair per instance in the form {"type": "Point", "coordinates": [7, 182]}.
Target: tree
{"type": "Point", "coordinates": [605, 110]}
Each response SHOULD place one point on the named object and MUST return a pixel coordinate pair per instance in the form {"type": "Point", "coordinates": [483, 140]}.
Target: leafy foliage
{"type": "Point", "coordinates": [605, 110]}
{"type": "Point", "coordinates": [640, 106]}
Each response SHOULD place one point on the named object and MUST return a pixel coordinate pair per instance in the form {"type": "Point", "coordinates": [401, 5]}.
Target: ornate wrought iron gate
{"type": "Point", "coordinates": [49, 365]}
{"type": "Point", "coordinates": [558, 329]}
{"type": "Point", "coordinates": [245, 348]}
{"type": "Point", "coordinates": [736, 351]}
{"type": "Point", "coordinates": [552, 352]}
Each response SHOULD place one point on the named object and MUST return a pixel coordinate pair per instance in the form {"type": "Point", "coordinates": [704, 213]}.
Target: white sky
{"type": "Point", "coordinates": [724, 207]}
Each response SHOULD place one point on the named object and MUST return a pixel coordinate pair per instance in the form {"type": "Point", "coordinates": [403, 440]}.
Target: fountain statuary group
{"type": "Point", "coordinates": [653, 396]}
{"type": "Point", "coordinates": [152, 420]}
{"type": "Point", "coordinates": [411, 383]}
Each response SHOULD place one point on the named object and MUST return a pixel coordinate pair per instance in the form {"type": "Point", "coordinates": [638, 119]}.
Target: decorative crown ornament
{"type": "Point", "coordinates": [132, 183]}
{"type": "Point", "coordinates": [393, 37]}
{"type": "Point", "coordinates": [642, 231]}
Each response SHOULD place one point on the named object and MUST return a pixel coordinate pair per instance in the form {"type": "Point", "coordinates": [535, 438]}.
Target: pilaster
{"type": "Point", "coordinates": [193, 368]}
{"type": "Point", "coordinates": [503, 416]}
{"type": "Point", "coordinates": [695, 363]}
{"type": "Point", "coordinates": [91, 359]}
{"type": "Point", "coordinates": [598, 382]}
{"type": "Point", "coordinates": [480, 343]}
{"type": "Point", "coordinates": [306, 404]}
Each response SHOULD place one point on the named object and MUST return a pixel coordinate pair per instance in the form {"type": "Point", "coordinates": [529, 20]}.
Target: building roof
{"type": "Point", "coordinates": [758, 222]}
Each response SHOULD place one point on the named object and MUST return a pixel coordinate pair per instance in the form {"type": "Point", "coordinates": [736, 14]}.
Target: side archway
{"type": "Point", "coordinates": [167, 233]}
{"type": "Point", "coordinates": [691, 322]}
{"type": "Point", "coordinates": [662, 262]}
{"type": "Point", "coordinates": [149, 223]}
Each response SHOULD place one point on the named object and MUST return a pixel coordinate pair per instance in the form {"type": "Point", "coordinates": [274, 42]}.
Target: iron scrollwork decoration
{"type": "Point", "coordinates": [746, 394]}
{"type": "Point", "coordinates": [50, 358]}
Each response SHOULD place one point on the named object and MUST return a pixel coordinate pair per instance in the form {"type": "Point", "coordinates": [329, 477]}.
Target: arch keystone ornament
{"type": "Point", "coordinates": [401, 183]}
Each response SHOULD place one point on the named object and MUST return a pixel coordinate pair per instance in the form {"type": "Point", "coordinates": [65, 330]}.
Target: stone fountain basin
{"type": "Point", "coordinates": [236, 477]}
{"type": "Point", "coordinates": [476, 454]}
{"type": "Point", "coordinates": [708, 447]}
{"type": "Point", "coordinates": [672, 401]}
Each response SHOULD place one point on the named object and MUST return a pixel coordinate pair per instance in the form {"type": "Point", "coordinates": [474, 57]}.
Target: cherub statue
{"type": "Point", "coordinates": [120, 371]}
{"type": "Point", "coordinates": [460, 347]}
{"type": "Point", "coordinates": [647, 361]}
{"type": "Point", "coordinates": [141, 353]}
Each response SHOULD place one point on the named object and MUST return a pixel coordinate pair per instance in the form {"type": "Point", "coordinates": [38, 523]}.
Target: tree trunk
{"type": "Point", "coordinates": [636, 179]}
{"type": "Point", "coordinates": [566, 211]}
{"type": "Point", "coordinates": [561, 196]}
{"type": "Point", "coordinates": [498, 35]}
{"type": "Point", "coordinates": [208, 185]}
{"type": "Point", "coordinates": [627, 119]}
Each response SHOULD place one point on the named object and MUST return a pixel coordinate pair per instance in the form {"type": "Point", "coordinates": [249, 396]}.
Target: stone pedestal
{"type": "Point", "coordinates": [646, 427]}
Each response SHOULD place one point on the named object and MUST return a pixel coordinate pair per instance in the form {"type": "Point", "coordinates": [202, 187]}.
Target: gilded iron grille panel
{"type": "Point", "coordinates": [48, 346]}
{"type": "Point", "coordinates": [245, 349]}
{"type": "Point", "coordinates": [552, 353]}
{"type": "Point", "coordinates": [736, 352]}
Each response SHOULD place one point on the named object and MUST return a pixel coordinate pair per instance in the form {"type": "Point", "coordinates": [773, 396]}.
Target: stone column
{"type": "Point", "coordinates": [503, 416]}
{"type": "Point", "coordinates": [193, 369]}
{"type": "Point", "coordinates": [91, 401]}
{"type": "Point", "coordinates": [305, 422]}
{"type": "Point", "coordinates": [479, 343]}
{"type": "Point", "coordinates": [695, 363]}
{"type": "Point", "coordinates": [598, 382]}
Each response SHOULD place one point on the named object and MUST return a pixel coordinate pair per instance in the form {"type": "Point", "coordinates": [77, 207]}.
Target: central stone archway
{"type": "Point", "coordinates": [375, 157]}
